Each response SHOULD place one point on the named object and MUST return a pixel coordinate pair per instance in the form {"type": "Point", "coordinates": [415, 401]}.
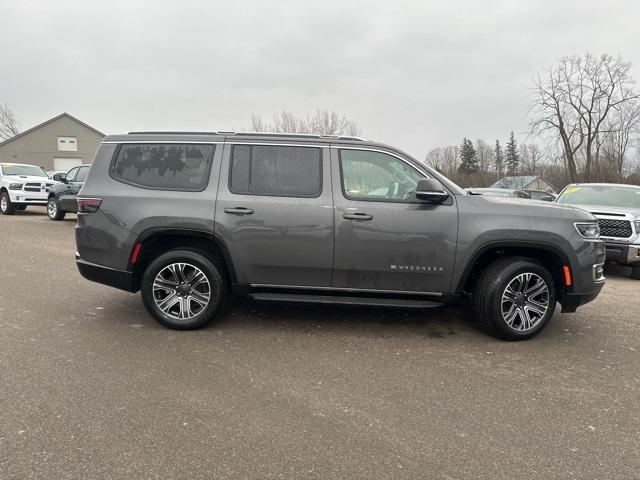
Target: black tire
{"type": "Point", "coordinates": [53, 210]}
{"type": "Point", "coordinates": [21, 207]}
{"type": "Point", "coordinates": [635, 272]}
{"type": "Point", "coordinates": [6, 207]}
{"type": "Point", "coordinates": [215, 275]}
{"type": "Point", "coordinates": [492, 287]}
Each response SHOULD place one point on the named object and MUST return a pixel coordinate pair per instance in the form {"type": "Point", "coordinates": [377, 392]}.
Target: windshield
{"type": "Point", "coordinates": [30, 170]}
{"type": "Point", "coordinates": [605, 195]}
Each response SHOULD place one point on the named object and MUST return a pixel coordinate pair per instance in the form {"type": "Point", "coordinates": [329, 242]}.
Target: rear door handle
{"type": "Point", "coordinates": [357, 216]}
{"type": "Point", "coordinates": [239, 211]}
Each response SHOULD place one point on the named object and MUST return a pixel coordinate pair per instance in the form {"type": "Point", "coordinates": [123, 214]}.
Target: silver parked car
{"type": "Point", "coordinates": [617, 208]}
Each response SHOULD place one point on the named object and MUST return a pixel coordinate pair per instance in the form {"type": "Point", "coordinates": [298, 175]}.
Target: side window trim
{"type": "Point", "coordinates": [206, 173]}
{"type": "Point", "coordinates": [321, 149]}
{"type": "Point", "coordinates": [378, 200]}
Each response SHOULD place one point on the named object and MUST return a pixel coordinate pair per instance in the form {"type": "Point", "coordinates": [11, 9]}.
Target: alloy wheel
{"type": "Point", "coordinates": [3, 203]}
{"type": "Point", "coordinates": [525, 301]}
{"type": "Point", "coordinates": [181, 291]}
{"type": "Point", "coordinates": [52, 208]}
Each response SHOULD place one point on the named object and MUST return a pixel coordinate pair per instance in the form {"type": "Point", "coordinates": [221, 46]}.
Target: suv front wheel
{"type": "Point", "coordinates": [515, 298]}
{"type": "Point", "coordinates": [183, 289]}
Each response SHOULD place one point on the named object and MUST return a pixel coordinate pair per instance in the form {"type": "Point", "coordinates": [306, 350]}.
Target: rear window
{"type": "Point", "coordinates": [164, 166]}
{"type": "Point", "coordinates": [276, 170]}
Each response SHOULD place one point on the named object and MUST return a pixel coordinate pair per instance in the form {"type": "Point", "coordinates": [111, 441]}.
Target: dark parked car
{"type": "Point", "coordinates": [63, 196]}
{"type": "Point", "coordinates": [189, 218]}
{"type": "Point", "coordinates": [540, 195]}
{"type": "Point", "coordinates": [499, 192]}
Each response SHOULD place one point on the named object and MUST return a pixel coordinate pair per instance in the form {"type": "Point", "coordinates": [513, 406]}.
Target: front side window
{"type": "Point", "coordinates": [164, 166]}
{"type": "Point", "coordinates": [82, 174]}
{"type": "Point", "coordinates": [71, 175]}
{"type": "Point", "coordinates": [276, 170]}
{"type": "Point", "coordinates": [376, 176]}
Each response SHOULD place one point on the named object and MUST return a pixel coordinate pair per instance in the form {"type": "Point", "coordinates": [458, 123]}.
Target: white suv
{"type": "Point", "coordinates": [22, 185]}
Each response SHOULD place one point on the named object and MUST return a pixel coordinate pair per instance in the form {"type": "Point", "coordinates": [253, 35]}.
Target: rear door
{"type": "Point", "coordinates": [386, 239]}
{"type": "Point", "coordinates": [274, 211]}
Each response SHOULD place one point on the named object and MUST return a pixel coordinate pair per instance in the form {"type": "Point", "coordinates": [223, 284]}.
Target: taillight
{"type": "Point", "coordinates": [89, 205]}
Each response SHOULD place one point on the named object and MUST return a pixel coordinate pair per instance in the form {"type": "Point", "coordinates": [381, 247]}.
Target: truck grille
{"type": "Point", "coordinates": [615, 228]}
{"type": "Point", "coordinates": [32, 187]}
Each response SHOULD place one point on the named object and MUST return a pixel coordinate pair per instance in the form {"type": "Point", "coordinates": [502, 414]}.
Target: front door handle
{"type": "Point", "coordinates": [239, 211]}
{"type": "Point", "coordinates": [357, 216]}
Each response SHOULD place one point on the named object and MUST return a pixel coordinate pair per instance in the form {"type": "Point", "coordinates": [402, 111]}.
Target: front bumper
{"type": "Point", "coordinates": [122, 280]}
{"type": "Point", "coordinates": [572, 301]}
{"type": "Point", "coordinates": [621, 253]}
{"type": "Point", "coordinates": [18, 196]}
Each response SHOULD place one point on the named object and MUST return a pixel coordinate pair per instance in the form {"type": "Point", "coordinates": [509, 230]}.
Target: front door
{"type": "Point", "coordinates": [386, 239]}
{"type": "Point", "coordinates": [274, 211]}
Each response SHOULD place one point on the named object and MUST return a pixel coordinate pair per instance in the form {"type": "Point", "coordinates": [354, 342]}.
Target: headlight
{"type": "Point", "coordinates": [588, 230]}
{"type": "Point", "coordinates": [637, 222]}
{"type": "Point", "coordinates": [15, 186]}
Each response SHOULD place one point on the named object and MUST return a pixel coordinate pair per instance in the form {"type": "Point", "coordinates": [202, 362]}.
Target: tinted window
{"type": "Point", "coordinates": [164, 166]}
{"type": "Point", "coordinates": [279, 171]}
{"type": "Point", "coordinates": [370, 175]}
{"type": "Point", "coordinates": [82, 174]}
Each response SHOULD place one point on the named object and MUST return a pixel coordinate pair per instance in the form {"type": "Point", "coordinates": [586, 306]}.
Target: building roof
{"type": "Point", "coordinates": [63, 114]}
{"type": "Point", "coordinates": [522, 181]}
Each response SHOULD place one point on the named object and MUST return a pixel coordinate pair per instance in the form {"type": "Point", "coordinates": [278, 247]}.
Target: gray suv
{"type": "Point", "coordinates": [189, 218]}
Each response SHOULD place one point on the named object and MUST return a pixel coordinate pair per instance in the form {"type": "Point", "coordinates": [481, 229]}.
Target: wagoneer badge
{"type": "Point", "coordinates": [417, 268]}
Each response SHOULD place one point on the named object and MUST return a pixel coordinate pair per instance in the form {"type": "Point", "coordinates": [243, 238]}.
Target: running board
{"type": "Point", "coordinates": [342, 300]}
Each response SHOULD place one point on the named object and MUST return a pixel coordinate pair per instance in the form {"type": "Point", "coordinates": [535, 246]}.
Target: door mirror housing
{"type": "Point", "coordinates": [59, 177]}
{"type": "Point", "coordinates": [431, 190]}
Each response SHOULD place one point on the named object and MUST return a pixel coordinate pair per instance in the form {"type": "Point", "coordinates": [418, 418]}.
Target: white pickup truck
{"type": "Point", "coordinates": [22, 185]}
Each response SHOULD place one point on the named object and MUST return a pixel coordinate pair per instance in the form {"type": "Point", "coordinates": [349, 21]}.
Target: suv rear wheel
{"type": "Point", "coordinates": [515, 298]}
{"type": "Point", "coordinates": [6, 207]}
{"type": "Point", "coordinates": [183, 289]}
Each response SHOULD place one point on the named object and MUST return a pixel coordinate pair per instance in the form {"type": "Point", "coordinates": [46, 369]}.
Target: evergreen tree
{"type": "Point", "coordinates": [499, 159]}
{"type": "Point", "coordinates": [512, 157]}
{"type": "Point", "coordinates": [468, 159]}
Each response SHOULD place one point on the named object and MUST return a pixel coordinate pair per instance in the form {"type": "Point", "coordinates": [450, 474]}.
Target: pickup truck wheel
{"type": "Point", "coordinates": [53, 211]}
{"type": "Point", "coordinates": [635, 272]}
{"type": "Point", "coordinates": [183, 289]}
{"type": "Point", "coordinates": [6, 207]}
{"type": "Point", "coordinates": [515, 298]}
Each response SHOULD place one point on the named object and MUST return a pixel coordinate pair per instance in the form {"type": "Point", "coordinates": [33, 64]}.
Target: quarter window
{"type": "Point", "coordinates": [164, 166]}
{"type": "Point", "coordinates": [376, 176]}
{"type": "Point", "coordinates": [276, 170]}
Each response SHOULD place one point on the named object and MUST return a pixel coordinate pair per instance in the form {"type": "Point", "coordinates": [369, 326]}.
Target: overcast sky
{"type": "Point", "coordinates": [415, 74]}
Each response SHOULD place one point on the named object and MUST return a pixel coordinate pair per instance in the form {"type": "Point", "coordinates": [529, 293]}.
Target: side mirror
{"type": "Point", "coordinates": [59, 177]}
{"type": "Point", "coordinates": [431, 190]}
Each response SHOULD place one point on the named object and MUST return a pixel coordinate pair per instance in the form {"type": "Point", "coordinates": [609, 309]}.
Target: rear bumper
{"type": "Point", "coordinates": [627, 254]}
{"type": "Point", "coordinates": [122, 280]}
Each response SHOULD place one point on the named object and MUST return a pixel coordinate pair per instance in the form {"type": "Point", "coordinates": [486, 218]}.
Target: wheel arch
{"type": "Point", "coordinates": [551, 256]}
{"type": "Point", "coordinates": [155, 241]}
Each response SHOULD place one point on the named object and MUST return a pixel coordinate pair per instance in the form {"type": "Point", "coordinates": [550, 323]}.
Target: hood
{"type": "Point", "coordinates": [604, 210]}
{"type": "Point", "coordinates": [27, 178]}
{"type": "Point", "coordinates": [527, 207]}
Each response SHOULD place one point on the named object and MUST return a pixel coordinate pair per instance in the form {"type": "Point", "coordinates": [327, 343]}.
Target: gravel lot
{"type": "Point", "coordinates": [91, 387]}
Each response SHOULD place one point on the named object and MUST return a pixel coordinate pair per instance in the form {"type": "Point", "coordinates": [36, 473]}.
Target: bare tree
{"type": "Point", "coordinates": [322, 122]}
{"type": "Point", "coordinates": [9, 126]}
{"type": "Point", "coordinates": [445, 160]}
{"type": "Point", "coordinates": [573, 100]}
{"type": "Point", "coordinates": [530, 159]}
{"type": "Point", "coordinates": [485, 156]}
{"type": "Point", "coordinates": [622, 129]}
